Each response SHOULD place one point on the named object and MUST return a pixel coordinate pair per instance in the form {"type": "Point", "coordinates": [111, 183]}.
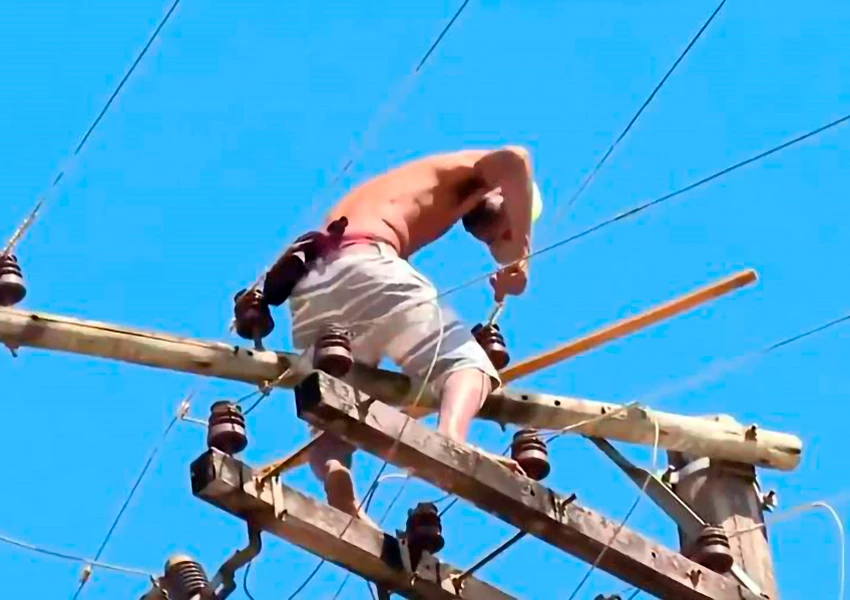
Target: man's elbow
{"type": "Point", "coordinates": [518, 153]}
{"type": "Point", "coordinates": [510, 161]}
{"type": "Point", "coordinates": [516, 158]}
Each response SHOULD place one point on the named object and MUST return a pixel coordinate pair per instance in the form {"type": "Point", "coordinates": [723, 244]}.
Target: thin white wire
{"type": "Point", "coordinates": [70, 162]}
{"type": "Point", "coordinates": [631, 510]}
{"type": "Point", "coordinates": [378, 478]}
{"type": "Point", "coordinates": [73, 557]}
{"type": "Point", "coordinates": [798, 511]}
{"type": "Point", "coordinates": [180, 414]}
{"type": "Point", "coordinates": [382, 115]}
{"type": "Point", "coordinates": [842, 540]}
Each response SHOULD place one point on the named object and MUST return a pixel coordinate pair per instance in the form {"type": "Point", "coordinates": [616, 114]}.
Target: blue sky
{"type": "Point", "coordinates": [221, 149]}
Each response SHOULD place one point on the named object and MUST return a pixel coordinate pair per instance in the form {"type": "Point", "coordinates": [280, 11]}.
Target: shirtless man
{"type": "Point", "coordinates": [365, 284]}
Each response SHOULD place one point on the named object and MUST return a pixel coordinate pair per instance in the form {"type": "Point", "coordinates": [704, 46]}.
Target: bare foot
{"type": "Point", "coordinates": [507, 462]}
{"type": "Point", "coordinates": [340, 490]}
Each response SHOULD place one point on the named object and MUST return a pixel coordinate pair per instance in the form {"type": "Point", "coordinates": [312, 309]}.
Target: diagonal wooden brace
{"type": "Point", "coordinates": [458, 469]}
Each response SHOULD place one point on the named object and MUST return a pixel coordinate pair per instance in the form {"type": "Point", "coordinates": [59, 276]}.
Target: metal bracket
{"type": "Point", "coordinates": [668, 501]}
{"type": "Point", "coordinates": [224, 578]}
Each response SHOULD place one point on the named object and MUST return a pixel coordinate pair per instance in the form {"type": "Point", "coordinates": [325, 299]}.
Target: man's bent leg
{"type": "Point", "coordinates": [429, 341]}
{"type": "Point", "coordinates": [330, 460]}
{"type": "Point", "coordinates": [462, 395]}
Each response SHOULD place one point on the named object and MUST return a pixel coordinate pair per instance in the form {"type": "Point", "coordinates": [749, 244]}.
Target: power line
{"type": "Point", "coordinates": [647, 205]}
{"type": "Point", "coordinates": [637, 115]}
{"type": "Point", "coordinates": [377, 478]}
{"type": "Point", "coordinates": [73, 558]}
{"type": "Point", "coordinates": [622, 216]}
{"type": "Point", "coordinates": [690, 382]}
{"type": "Point", "coordinates": [385, 110]}
{"type": "Point", "coordinates": [34, 212]}
{"type": "Point", "coordinates": [629, 513]}
{"type": "Point", "coordinates": [181, 413]}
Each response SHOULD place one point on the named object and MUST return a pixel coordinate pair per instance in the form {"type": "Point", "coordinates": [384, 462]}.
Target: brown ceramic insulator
{"type": "Point", "coordinates": [711, 550]}
{"type": "Point", "coordinates": [529, 451]}
{"type": "Point", "coordinates": [491, 339]}
{"type": "Point", "coordinates": [226, 428]}
{"type": "Point", "coordinates": [185, 579]}
{"type": "Point", "coordinates": [252, 316]}
{"type": "Point", "coordinates": [12, 288]}
{"type": "Point", "coordinates": [336, 228]}
{"type": "Point", "coordinates": [333, 352]}
{"type": "Point", "coordinates": [424, 528]}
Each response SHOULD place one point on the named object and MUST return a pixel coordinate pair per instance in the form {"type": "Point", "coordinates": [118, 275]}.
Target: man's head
{"type": "Point", "coordinates": [489, 222]}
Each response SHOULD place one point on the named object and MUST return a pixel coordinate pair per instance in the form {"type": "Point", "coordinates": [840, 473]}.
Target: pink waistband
{"type": "Point", "coordinates": [351, 239]}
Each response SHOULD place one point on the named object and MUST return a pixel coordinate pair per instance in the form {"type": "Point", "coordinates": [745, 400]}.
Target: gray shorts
{"type": "Point", "coordinates": [390, 310]}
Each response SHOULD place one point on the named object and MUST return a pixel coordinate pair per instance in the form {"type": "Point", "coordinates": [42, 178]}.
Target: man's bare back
{"type": "Point", "coordinates": [416, 203]}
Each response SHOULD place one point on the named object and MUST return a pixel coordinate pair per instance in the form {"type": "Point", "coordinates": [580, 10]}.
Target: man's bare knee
{"type": "Point", "coordinates": [461, 397]}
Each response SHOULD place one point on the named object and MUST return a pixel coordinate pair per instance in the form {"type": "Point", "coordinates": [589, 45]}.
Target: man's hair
{"type": "Point", "coordinates": [485, 213]}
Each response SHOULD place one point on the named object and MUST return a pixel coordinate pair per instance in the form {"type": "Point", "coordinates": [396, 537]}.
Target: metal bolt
{"type": "Point", "coordinates": [769, 501]}
{"type": "Point", "coordinates": [751, 433]}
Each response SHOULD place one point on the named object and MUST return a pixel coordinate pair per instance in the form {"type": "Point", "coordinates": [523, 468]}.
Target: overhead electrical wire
{"type": "Point", "coordinates": [376, 480]}
{"type": "Point", "coordinates": [586, 181]}
{"type": "Point", "coordinates": [21, 231]}
{"type": "Point", "coordinates": [710, 373]}
{"type": "Point", "coordinates": [629, 513]}
{"type": "Point", "coordinates": [617, 218]}
{"type": "Point", "coordinates": [790, 514]}
{"type": "Point", "coordinates": [384, 111]}
{"type": "Point", "coordinates": [73, 557]}
{"type": "Point", "coordinates": [182, 411]}
{"type": "Point", "coordinates": [9, 247]}
{"type": "Point", "coordinates": [19, 234]}
{"type": "Point", "coordinates": [605, 157]}
{"type": "Point", "coordinates": [652, 203]}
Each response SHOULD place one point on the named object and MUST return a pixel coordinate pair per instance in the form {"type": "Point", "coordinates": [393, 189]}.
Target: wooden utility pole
{"type": "Point", "coordinates": [726, 494]}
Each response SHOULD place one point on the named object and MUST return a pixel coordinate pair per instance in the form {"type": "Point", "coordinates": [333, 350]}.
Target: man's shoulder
{"type": "Point", "coordinates": [448, 158]}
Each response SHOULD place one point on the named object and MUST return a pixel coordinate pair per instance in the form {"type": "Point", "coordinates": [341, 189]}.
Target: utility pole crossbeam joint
{"type": "Point", "coordinates": [383, 431]}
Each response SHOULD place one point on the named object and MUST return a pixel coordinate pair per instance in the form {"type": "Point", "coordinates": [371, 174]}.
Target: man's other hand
{"type": "Point", "coordinates": [509, 281]}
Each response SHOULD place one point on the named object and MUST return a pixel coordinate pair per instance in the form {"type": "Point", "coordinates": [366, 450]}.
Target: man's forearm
{"type": "Point", "coordinates": [517, 192]}
{"type": "Point", "coordinates": [510, 169]}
